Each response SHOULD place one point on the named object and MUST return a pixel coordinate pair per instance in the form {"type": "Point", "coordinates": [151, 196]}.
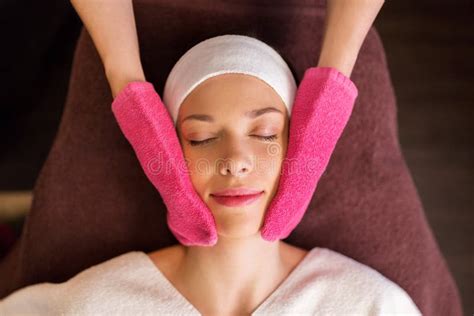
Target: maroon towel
{"type": "Point", "coordinates": [92, 200]}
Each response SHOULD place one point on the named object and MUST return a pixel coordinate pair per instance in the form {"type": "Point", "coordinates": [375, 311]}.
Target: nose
{"type": "Point", "coordinates": [237, 164]}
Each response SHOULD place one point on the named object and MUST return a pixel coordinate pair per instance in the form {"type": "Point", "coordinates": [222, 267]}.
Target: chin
{"type": "Point", "coordinates": [239, 232]}
{"type": "Point", "coordinates": [236, 222]}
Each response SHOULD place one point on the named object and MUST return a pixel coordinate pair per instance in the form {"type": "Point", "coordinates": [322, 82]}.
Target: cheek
{"type": "Point", "coordinates": [270, 161]}
{"type": "Point", "coordinates": [200, 170]}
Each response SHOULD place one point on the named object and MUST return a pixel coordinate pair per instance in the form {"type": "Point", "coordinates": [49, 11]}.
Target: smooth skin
{"type": "Point", "coordinates": [236, 275]}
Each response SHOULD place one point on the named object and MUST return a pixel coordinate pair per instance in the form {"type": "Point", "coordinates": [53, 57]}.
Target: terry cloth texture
{"type": "Point", "coordinates": [322, 107]}
{"type": "Point", "coordinates": [224, 54]}
{"type": "Point", "coordinates": [323, 283]}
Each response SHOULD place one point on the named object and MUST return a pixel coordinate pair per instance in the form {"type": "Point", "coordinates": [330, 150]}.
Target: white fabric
{"type": "Point", "coordinates": [230, 53]}
{"type": "Point", "coordinates": [324, 283]}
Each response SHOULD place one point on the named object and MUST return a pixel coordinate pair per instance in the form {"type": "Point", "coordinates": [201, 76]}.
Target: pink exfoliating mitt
{"type": "Point", "coordinates": [321, 109]}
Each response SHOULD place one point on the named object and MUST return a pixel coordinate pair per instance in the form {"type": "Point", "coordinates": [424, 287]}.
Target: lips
{"type": "Point", "coordinates": [236, 191]}
{"type": "Point", "coordinates": [237, 196]}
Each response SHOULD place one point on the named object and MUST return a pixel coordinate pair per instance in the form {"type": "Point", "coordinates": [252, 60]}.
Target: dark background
{"type": "Point", "coordinates": [430, 53]}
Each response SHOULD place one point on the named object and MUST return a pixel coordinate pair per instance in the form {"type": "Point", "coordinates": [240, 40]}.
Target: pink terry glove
{"type": "Point", "coordinates": [322, 107]}
{"type": "Point", "coordinates": [148, 126]}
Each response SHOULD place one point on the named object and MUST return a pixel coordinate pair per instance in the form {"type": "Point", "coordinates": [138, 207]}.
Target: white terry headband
{"type": "Point", "coordinates": [229, 53]}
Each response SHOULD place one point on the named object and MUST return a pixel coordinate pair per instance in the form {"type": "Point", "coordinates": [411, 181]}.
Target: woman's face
{"type": "Point", "coordinates": [227, 142]}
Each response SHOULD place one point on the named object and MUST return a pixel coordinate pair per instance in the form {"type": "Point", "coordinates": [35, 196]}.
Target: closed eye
{"type": "Point", "coordinates": [268, 138]}
{"type": "Point", "coordinates": [203, 142]}
{"type": "Point", "coordinates": [200, 142]}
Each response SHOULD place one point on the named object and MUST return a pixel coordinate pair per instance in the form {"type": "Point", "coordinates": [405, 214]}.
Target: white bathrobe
{"type": "Point", "coordinates": [324, 283]}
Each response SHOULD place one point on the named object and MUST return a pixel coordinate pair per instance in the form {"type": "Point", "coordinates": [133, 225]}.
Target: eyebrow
{"type": "Point", "coordinates": [250, 114]}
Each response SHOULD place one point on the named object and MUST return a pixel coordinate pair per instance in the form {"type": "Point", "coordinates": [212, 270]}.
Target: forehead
{"type": "Point", "coordinates": [230, 94]}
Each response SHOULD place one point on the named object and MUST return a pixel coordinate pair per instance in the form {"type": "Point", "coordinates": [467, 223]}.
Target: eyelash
{"type": "Point", "coordinates": [203, 142]}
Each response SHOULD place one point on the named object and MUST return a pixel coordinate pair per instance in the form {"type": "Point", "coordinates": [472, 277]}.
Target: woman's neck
{"type": "Point", "coordinates": [235, 275]}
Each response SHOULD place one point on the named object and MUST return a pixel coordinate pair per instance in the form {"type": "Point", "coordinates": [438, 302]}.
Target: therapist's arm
{"type": "Point", "coordinates": [111, 25]}
{"type": "Point", "coordinates": [347, 23]}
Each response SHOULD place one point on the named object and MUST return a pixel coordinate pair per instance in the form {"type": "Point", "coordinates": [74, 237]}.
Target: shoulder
{"type": "Point", "coordinates": [292, 255]}
{"type": "Point", "coordinates": [340, 266]}
{"type": "Point", "coordinates": [166, 262]}
{"type": "Point", "coordinates": [356, 283]}
{"type": "Point", "coordinates": [168, 259]}
{"type": "Point", "coordinates": [126, 265]}
{"type": "Point", "coordinates": [47, 297]}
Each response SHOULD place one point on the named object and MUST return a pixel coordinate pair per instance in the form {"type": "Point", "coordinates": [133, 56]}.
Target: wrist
{"type": "Point", "coordinates": [119, 78]}
{"type": "Point", "coordinates": [339, 58]}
